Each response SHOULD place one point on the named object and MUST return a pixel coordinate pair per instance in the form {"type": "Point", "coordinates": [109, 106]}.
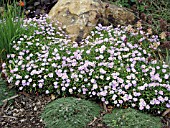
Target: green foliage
{"type": "Point", "coordinates": [156, 12]}
{"type": "Point", "coordinates": [131, 118]}
{"type": "Point", "coordinates": [11, 27]}
{"type": "Point", "coordinates": [44, 63]}
{"type": "Point", "coordinates": [4, 91]}
{"type": "Point", "coordinates": [69, 113]}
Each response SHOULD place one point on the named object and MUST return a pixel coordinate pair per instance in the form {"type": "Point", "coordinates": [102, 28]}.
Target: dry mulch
{"type": "Point", "coordinates": [25, 110]}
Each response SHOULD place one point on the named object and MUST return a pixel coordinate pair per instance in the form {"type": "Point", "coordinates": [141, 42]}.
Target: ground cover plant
{"type": "Point", "coordinates": [76, 113]}
{"type": "Point", "coordinates": [131, 118]}
{"type": "Point", "coordinates": [154, 15]}
{"type": "Point", "coordinates": [114, 65]}
{"type": "Point", "coordinates": [5, 92]}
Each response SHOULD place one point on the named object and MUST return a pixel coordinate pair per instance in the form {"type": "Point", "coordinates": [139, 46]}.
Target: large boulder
{"type": "Point", "coordinates": [79, 17]}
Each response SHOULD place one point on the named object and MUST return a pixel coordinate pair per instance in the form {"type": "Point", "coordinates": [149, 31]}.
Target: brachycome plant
{"type": "Point", "coordinates": [69, 113]}
{"type": "Point", "coordinates": [115, 65]}
{"type": "Point", "coordinates": [131, 118]}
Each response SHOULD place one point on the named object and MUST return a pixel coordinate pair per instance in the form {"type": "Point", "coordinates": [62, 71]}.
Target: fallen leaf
{"type": "Point", "coordinates": [163, 35]}
{"type": "Point", "coordinates": [53, 97]}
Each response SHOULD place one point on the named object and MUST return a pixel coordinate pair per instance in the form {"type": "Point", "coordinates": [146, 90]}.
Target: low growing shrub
{"type": "Point", "coordinates": [131, 118]}
{"type": "Point", "coordinates": [115, 65]}
{"type": "Point", "coordinates": [69, 113]}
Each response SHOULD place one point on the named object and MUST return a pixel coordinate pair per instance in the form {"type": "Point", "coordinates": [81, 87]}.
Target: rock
{"type": "Point", "coordinates": [117, 15]}
{"type": "Point", "coordinates": [80, 17]}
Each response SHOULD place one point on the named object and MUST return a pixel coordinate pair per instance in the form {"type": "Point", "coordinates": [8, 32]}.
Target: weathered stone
{"type": "Point", "coordinates": [80, 17]}
{"type": "Point", "coordinates": [117, 15]}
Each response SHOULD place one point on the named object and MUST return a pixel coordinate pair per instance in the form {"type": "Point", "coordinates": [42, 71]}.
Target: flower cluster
{"type": "Point", "coordinates": [115, 65]}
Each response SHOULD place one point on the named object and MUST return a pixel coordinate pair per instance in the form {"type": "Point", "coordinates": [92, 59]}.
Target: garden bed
{"type": "Point", "coordinates": [121, 67]}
